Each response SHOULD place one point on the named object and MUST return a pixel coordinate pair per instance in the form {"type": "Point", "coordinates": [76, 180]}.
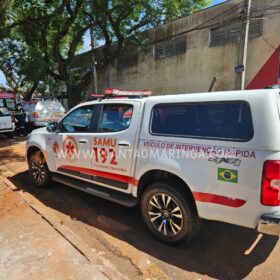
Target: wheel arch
{"type": "Point", "coordinates": [33, 149]}
{"type": "Point", "coordinates": [156, 175]}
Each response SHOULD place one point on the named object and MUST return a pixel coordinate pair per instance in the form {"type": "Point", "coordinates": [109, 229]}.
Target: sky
{"type": "Point", "coordinates": [215, 2]}
{"type": "Point", "coordinates": [2, 78]}
{"type": "Point", "coordinates": [87, 44]}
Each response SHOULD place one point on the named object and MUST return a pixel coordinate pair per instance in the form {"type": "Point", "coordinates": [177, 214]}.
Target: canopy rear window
{"type": "Point", "coordinates": [212, 120]}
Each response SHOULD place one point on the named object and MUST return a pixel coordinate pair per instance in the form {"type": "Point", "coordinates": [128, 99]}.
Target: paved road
{"type": "Point", "coordinates": [119, 233]}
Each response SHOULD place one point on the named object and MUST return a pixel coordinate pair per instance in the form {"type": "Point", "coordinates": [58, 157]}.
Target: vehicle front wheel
{"type": "Point", "coordinates": [38, 170]}
{"type": "Point", "coordinates": [168, 213]}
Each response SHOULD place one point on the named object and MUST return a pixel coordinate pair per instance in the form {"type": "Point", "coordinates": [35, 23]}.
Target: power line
{"type": "Point", "coordinates": [201, 26]}
{"type": "Point", "coordinates": [214, 27]}
{"type": "Point", "coordinates": [266, 8]}
{"type": "Point", "coordinates": [263, 15]}
{"type": "Point", "coordinates": [218, 24]}
{"type": "Point", "coordinates": [266, 18]}
{"type": "Point", "coordinates": [237, 7]}
{"type": "Point", "coordinates": [268, 14]}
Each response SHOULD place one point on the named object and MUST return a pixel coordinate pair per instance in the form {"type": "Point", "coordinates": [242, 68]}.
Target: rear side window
{"type": "Point", "coordinates": [212, 120]}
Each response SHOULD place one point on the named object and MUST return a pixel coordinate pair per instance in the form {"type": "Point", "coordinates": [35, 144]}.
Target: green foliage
{"type": "Point", "coordinates": [40, 38]}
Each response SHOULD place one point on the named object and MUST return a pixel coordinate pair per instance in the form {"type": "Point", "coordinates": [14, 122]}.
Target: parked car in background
{"type": "Point", "coordinates": [7, 125]}
{"type": "Point", "coordinates": [42, 112]}
{"type": "Point", "coordinates": [7, 104]}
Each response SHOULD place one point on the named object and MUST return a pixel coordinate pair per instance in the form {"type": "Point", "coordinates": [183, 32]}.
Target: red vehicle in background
{"type": "Point", "coordinates": [7, 101]}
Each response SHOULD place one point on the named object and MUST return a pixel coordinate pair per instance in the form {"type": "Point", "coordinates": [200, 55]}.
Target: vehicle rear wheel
{"type": "Point", "coordinates": [38, 170]}
{"type": "Point", "coordinates": [169, 214]}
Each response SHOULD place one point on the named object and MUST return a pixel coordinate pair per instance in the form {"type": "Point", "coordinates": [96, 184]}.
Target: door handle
{"type": "Point", "coordinates": [124, 144]}
{"type": "Point", "coordinates": [83, 141]}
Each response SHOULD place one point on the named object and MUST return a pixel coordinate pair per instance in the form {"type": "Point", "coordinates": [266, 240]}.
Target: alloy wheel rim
{"type": "Point", "coordinates": [38, 171]}
{"type": "Point", "coordinates": [165, 214]}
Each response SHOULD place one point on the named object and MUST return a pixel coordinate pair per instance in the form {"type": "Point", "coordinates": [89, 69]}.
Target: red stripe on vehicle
{"type": "Point", "coordinates": [218, 199]}
{"type": "Point", "coordinates": [107, 175]}
{"type": "Point", "coordinates": [202, 197]}
{"type": "Point", "coordinates": [134, 182]}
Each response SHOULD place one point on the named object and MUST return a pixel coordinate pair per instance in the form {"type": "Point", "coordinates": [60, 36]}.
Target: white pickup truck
{"type": "Point", "coordinates": [182, 158]}
{"type": "Point", "coordinates": [7, 125]}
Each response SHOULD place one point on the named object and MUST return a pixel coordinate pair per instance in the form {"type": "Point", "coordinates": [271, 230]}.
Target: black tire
{"type": "Point", "coordinates": [166, 220]}
{"type": "Point", "coordinates": [10, 135]}
{"type": "Point", "coordinates": [38, 170]}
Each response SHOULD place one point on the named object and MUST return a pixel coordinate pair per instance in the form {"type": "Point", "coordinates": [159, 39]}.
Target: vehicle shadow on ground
{"type": "Point", "coordinates": [7, 151]}
{"type": "Point", "coordinates": [218, 250]}
{"type": "Point", "coordinates": [6, 142]}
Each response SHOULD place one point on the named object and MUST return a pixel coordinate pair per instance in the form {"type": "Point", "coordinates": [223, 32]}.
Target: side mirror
{"type": "Point", "coordinates": [52, 127]}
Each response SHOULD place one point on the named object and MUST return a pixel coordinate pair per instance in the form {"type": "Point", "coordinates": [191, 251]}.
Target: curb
{"type": "Point", "coordinates": [46, 214]}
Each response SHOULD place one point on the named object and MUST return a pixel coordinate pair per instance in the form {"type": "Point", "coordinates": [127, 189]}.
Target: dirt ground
{"type": "Point", "coordinates": [119, 235]}
{"type": "Point", "coordinates": [31, 249]}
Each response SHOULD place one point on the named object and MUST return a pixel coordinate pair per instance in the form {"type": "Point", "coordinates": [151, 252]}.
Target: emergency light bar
{"type": "Point", "coordinates": [117, 92]}
{"type": "Point", "coordinates": [97, 95]}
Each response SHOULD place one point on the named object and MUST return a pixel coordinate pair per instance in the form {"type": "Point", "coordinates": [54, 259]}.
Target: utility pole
{"type": "Point", "coordinates": [93, 62]}
{"type": "Point", "coordinates": [240, 69]}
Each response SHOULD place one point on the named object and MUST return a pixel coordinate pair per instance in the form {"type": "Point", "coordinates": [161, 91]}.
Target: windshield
{"type": "Point", "coordinates": [29, 107]}
{"type": "Point", "coordinates": [7, 103]}
{"type": "Point", "coordinates": [49, 106]}
{"type": "Point", "coordinates": [10, 103]}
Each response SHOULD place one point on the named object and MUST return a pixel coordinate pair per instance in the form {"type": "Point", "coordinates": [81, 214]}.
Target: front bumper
{"type": "Point", "coordinates": [269, 224]}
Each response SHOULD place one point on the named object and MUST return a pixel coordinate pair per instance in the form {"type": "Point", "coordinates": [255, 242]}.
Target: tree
{"type": "Point", "coordinates": [23, 69]}
{"type": "Point", "coordinates": [53, 31]}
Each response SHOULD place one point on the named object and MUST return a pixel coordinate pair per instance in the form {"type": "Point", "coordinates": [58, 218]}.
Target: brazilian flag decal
{"type": "Point", "coordinates": [228, 175]}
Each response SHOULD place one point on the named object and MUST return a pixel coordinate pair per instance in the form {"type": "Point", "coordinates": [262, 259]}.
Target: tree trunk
{"type": "Point", "coordinates": [31, 91]}
{"type": "Point", "coordinates": [73, 96]}
{"type": "Point", "coordinates": [74, 92]}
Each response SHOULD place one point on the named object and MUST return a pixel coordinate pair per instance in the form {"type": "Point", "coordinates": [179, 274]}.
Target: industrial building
{"type": "Point", "coordinates": [190, 53]}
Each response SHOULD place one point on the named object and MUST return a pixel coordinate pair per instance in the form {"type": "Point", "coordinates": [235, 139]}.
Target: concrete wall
{"type": "Point", "coordinates": [194, 70]}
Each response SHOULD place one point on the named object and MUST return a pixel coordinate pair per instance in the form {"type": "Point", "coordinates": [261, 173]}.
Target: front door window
{"type": "Point", "coordinates": [72, 145]}
{"type": "Point", "coordinates": [78, 121]}
{"type": "Point", "coordinates": [115, 117]}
